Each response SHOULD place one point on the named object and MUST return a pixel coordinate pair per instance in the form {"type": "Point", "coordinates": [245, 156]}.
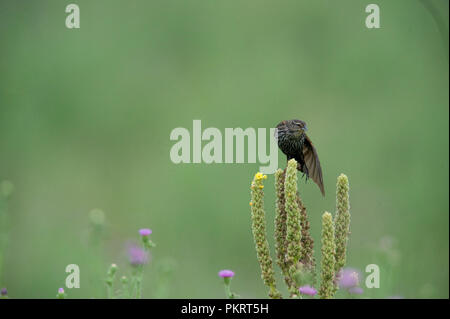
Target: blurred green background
{"type": "Point", "coordinates": [85, 118]}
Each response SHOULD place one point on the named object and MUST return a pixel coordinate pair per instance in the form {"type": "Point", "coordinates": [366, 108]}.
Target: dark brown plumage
{"type": "Point", "coordinates": [294, 143]}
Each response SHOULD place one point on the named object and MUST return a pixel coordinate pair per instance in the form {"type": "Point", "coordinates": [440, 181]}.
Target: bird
{"type": "Point", "coordinates": [294, 143]}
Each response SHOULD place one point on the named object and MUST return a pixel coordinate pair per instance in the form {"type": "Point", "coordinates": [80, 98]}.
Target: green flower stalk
{"type": "Point", "coordinates": [259, 235]}
{"type": "Point", "coordinates": [280, 226]}
{"type": "Point", "coordinates": [342, 221]}
{"type": "Point", "coordinates": [111, 274]}
{"type": "Point", "coordinates": [293, 228]}
{"type": "Point", "coordinates": [307, 272]}
{"type": "Point", "coordinates": [125, 287]}
{"type": "Point", "coordinates": [307, 242]}
{"type": "Point", "coordinates": [293, 241]}
{"type": "Point", "coordinates": [327, 287]}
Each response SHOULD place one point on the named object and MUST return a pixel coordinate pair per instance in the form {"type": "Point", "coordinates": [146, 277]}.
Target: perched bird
{"type": "Point", "coordinates": [294, 143]}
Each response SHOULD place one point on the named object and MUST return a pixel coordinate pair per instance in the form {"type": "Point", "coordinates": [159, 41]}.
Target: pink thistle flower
{"type": "Point", "coordinates": [348, 278]}
{"type": "Point", "coordinates": [145, 232]}
{"type": "Point", "coordinates": [226, 273]}
{"type": "Point", "coordinates": [307, 290]}
{"type": "Point", "coordinates": [137, 255]}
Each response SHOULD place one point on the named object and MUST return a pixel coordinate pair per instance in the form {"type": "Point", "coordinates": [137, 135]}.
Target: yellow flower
{"type": "Point", "coordinates": [259, 176]}
{"type": "Point", "coordinates": [251, 204]}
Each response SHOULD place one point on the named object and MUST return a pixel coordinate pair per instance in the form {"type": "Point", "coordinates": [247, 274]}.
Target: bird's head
{"type": "Point", "coordinates": [296, 127]}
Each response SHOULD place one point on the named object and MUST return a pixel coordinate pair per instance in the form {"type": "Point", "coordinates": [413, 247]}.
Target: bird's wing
{"type": "Point", "coordinates": [313, 164]}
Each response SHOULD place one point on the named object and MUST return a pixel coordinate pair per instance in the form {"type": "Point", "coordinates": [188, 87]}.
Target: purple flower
{"type": "Point", "coordinates": [61, 294]}
{"type": "Point", "coordinates": [4, 292]}
{"type": "Point", "coordinates": [355, 290]}
{"type": "Point", "coordinates": [226, 273]}
{"type": "Point", "coordinates": [137, 255]}
{"type": "Point", "coordinates": [348, 278]}
{"type": "Point", "coordinates": [307, 290]}
{"type": "Point", "coordinates": [145, 232]}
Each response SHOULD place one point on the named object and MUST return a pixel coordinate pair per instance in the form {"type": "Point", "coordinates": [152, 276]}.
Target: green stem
{"type": "Point", "coordinates": [228, 292]}
{"type": "Point", "coordinates": [138, 276]}
{"type": "Point", "coordinates": [109, 291]}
